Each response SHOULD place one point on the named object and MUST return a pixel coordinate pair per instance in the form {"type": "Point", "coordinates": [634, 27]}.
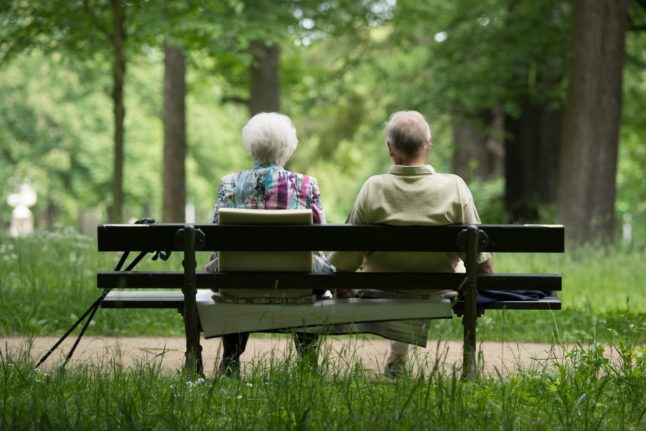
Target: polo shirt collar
{"type": "Point", "coordinates": [411, 170]}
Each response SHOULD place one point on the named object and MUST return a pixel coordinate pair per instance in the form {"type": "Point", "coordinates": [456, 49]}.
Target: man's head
{"type": "Point", "coordinates": [270, 138]}
{"type": "Point", "coordinates": [408, 136]}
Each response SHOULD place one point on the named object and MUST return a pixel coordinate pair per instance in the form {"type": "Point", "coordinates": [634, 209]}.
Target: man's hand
{"type": "Point", "coordinates": [485, 267]}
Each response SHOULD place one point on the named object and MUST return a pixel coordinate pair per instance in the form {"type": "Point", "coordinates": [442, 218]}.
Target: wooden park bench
{"type": "Point", "coordinates": [187, 289]}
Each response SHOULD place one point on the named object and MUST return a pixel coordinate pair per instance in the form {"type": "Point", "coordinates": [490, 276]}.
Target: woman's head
{"type": "Point", "coordinates": [270, 138]}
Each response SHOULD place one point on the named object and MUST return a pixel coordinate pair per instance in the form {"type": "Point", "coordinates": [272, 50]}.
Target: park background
{"type": "Point", "coordinates": [115, 110]}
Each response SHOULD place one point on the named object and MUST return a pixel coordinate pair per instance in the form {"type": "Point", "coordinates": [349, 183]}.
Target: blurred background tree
{"type": "Point", "coordinates": [491, 76]}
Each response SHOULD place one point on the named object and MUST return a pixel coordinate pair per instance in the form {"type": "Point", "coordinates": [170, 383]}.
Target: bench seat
{"type": "Point", "coordinates": [174, 299]}
{"type": "Point", "coordinates": [218, 319]}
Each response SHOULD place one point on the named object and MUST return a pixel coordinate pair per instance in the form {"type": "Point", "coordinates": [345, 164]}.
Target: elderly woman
{"type": "Point", "coordinates": [270, 139]}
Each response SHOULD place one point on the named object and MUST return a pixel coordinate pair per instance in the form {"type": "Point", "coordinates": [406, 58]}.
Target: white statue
{"type": "Point", "coordinates": [22, 221]}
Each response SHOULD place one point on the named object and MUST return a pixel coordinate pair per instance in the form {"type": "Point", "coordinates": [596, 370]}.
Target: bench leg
{"type": "Point", "coordinates": [193, 362]}
{"type": "Point", "coordinates": [469, 322]}
{"type": "Point", "coordinates": [469, 318]}
{"type": "Point", "coordinates": [193, 356]}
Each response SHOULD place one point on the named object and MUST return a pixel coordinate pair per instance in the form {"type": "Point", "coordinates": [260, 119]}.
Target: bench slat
{"type": "Point", "coordinates": [503, 238]}
{"type": "Point", "coordinates": [547, 303]}
{"type": "Point", "coordinates": [144, 299]}
{"type": "Point", "coordinates": [175, 299]}
{"type": "Point", "coordinates": [367, 280]}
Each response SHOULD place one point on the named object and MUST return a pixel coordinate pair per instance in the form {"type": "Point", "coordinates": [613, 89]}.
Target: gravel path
{"type": "Point", "coordinates": [342, 351]}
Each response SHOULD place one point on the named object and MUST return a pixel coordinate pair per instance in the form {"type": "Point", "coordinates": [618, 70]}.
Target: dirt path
{"type": "Point", "coordinates": [341, 351]}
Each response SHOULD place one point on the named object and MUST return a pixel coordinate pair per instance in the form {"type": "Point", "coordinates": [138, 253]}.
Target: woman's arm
{"type": "Point", "coordinates": [224, 197]}
{"type": "Point", "coordinates": [316, 205]}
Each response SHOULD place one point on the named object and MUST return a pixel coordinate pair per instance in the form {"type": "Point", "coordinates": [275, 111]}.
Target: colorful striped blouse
{"type": "Point", "coordinates": [269, 187]}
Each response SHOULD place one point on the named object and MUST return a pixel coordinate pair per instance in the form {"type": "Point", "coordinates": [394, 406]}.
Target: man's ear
{"type": "Point", "coordinates": [391, 153]}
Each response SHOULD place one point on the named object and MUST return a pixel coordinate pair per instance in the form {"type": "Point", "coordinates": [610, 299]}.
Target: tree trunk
{"type": "Point", "coordinates": [119, 72]}
{"type": "Point", "coordinates": [592, 120]}
{"type": "Point", "coordinates": [174, 177]}
{"type": "Point", "coordinates": [479, 150]}
{"type": "Point", "coordinates": [264, 74]}
{"type": "Point", "coordinates": [532, 147]}
{"type": "Point", "coordinates": [469, 152]}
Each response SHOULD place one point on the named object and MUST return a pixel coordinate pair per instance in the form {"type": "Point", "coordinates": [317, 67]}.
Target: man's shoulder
{"type": "Point", "coordinates": [378, 178]}
{"type": "Point", "coordinates": [378, 181]}
{"type": "Point", "coordinates": [449, 177]}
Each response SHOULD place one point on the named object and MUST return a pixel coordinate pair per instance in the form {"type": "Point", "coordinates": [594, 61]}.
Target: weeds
{"type": "Point", "coordinates": [583, 391]}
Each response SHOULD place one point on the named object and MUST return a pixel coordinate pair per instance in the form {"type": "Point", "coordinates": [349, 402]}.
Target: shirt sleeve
{"type": "Point", "coordinates": [470, 215]}
{"type": "Point", "coordinates": [316, 205]}
{"type": "Point", "coordinates": [351, 260]}
{"type": "Point", "coordinates": [225, 198]}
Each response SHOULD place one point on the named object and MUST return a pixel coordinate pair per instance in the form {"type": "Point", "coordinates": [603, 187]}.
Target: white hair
{"type": "Point", "coordinates": [407, 132]}
{"type": "Point", "coordinates": [270, 138]}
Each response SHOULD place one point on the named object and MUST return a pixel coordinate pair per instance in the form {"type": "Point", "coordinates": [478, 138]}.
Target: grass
{"type": "Point", "coordinates": [583, 391]}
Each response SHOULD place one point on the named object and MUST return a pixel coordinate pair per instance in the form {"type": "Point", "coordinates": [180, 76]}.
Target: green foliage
{"type": "Point", "coordinates": [345, 66]}
{"type": "Point", "coordinates": [474, 55]}
{"type": "Point", "coordinates": [631, 197]}
{"type": "Point", "coordinates": [53, 136]}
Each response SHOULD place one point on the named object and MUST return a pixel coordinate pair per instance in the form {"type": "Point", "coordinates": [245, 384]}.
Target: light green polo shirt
{"type": "Point", "coordinates": [410, 195]}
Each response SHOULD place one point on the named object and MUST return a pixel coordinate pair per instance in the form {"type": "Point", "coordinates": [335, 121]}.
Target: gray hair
{"type": "Point", "coordinates": [407, 132]}
{"type": "Point", "coordinates": [270, 138]}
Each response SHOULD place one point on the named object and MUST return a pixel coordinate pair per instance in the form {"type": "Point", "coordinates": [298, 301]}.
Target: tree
{"type": "Point", "coordinates": [478, 60]}
{"type": "Point", "coordinates": [532, 150]}
{"type": "Point", "coordinates": [55, 137]}
{"type": "Point", "coordinates": [264, 79]}
{"type": "Point", "coordinates": [479, 147]}
{"type": "Point", "coordinates": [174, 176]}
{"type": "Point", "coordinates": [118, 38]}
{"type": "Point", "coordinates": [592, 120]}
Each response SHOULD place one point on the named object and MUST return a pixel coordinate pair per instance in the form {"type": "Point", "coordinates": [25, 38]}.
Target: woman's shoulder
{"type": "Point", "coordinates": [235, 175]}
{"type": "Point", "coordinates": [303, 177]}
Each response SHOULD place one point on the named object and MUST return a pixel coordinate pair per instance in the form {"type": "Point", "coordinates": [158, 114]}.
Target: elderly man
{"type": "Point", "coordinates": [411, 193]}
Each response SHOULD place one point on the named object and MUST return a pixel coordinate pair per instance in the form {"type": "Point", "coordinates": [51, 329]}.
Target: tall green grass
{"type": "Point", "coordinates": [47, 281]}
{"type": "Point", "coordinates": [583, 391]}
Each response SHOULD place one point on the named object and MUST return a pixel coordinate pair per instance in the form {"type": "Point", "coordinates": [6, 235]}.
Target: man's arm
{"type": "Point", "coordinates": [485, 267]}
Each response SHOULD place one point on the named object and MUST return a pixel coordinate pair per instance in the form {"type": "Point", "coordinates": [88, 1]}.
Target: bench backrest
{"type": "Point", "coordinates": [260, 261]}
{"type": "Point", "coordinates": [163, 237]}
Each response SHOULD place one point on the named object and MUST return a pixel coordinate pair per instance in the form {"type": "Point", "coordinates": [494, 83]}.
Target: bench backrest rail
{"type": "Point", "coordinates": [498, 238]}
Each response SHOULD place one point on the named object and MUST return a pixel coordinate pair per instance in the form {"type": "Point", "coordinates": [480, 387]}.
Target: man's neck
{"type": "Point", "coordinates": [410, 161]}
